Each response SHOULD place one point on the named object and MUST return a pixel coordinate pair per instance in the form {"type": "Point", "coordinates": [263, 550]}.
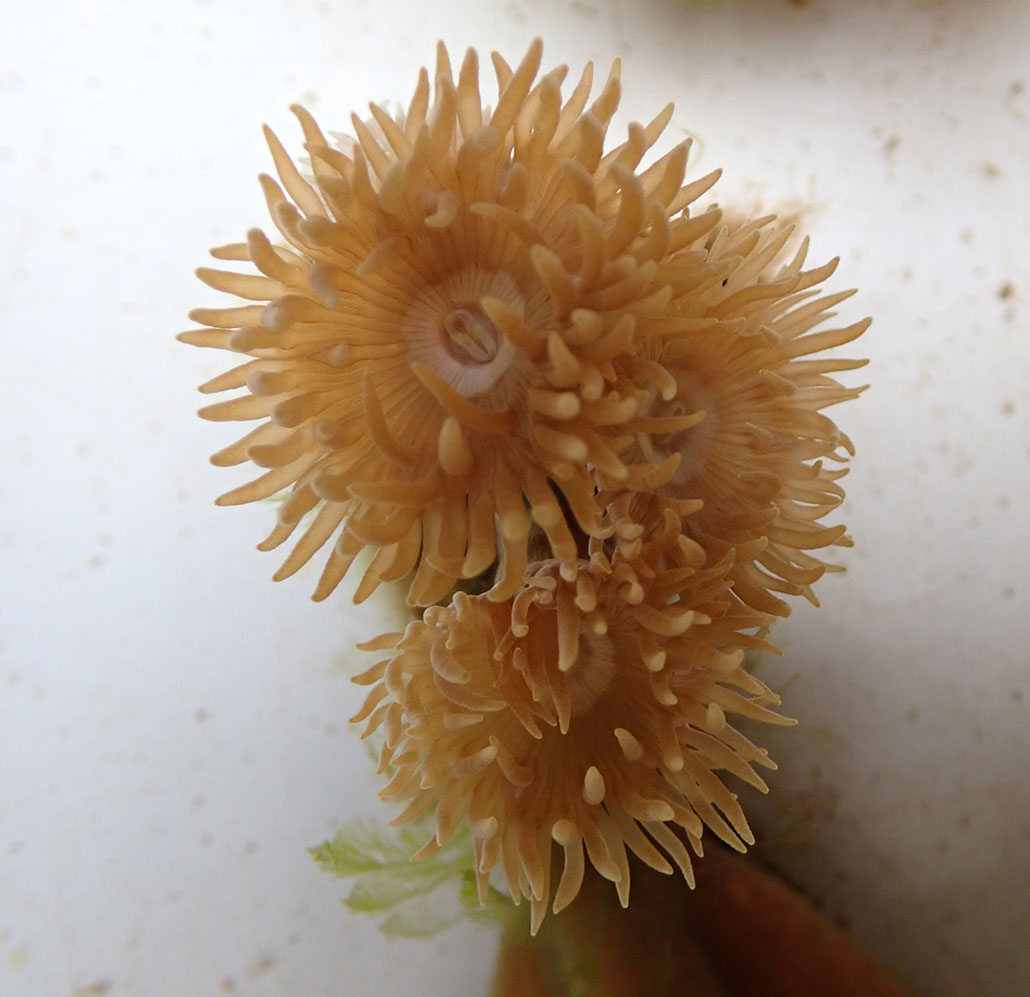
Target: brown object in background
{"type": "Point", "coordinates": [743, 931]}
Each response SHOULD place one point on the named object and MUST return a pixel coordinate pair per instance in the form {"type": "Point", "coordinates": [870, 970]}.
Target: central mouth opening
{"type": "Point", "coordinates": [692, 444]}
{"type": "Point", "coordinates": [447, 329]}
{"type": "Point", "coordinates": [469, 336]}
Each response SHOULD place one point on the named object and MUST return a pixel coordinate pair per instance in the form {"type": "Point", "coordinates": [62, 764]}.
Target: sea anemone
{"type": "Point", "coordinates": [591, 713]}
{"type": "Point", "coordinates": [433, 350]}
{"type": "Point", "coordinates": [736, 354]}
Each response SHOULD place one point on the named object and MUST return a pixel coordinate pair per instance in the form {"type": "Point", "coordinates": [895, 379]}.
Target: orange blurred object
{"type": "Point", "coordinates": [743, 931]}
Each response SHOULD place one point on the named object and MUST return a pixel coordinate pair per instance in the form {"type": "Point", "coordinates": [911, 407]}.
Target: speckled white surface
{"type": "Point", "coordinates": [173, 726]}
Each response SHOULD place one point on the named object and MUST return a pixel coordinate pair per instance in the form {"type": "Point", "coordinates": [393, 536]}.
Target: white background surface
{"type": "Point", "coordinates": [173, 727]}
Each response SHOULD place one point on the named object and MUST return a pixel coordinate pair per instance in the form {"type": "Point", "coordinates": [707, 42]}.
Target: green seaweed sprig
{"type": "Point", "coordinates": [419, 899]}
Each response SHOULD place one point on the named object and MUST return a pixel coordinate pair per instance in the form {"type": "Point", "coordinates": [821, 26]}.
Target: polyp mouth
{"type": "Point", "coordinates": [469, 336]}
{"type": "Point", "coordinates": [451, 334]}
{"type": "Point", "coordinates": [693, 444]}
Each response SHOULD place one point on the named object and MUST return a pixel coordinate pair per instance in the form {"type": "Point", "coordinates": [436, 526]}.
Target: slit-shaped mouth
{"type": "Point", "coordinates": [450, 333]}
{"type": "Point", "coordinates": [469, 336]}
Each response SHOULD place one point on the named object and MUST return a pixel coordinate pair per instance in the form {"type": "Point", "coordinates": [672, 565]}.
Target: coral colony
{"type": "Point", "coordinates": [580, 419]}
